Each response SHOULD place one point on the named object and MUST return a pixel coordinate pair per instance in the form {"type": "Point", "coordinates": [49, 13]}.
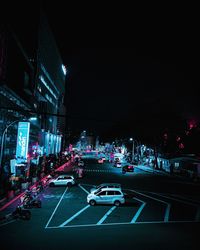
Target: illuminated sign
{"type": "Point", "coordinates": [22, 141]}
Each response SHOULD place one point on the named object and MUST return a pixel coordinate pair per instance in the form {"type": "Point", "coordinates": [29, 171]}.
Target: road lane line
{"type": "Point", "coordinates": [8, 222]}
{"type": "Point", "coordinates": [167, 211]}
{"type": "Point", "coordinates": [56, 208]}
{"type": "Point", "coordinates": [186, 199]}
{"type": "Point", "coordinates": [139, 210]}
{"type": "Point", "coordinates": [171, 198]}
{"type": "Point", "coordinates": [106, 215]}
{"type": "Point", "coordinates": [122, 224]}
{"type": "Point", "coordinates": [74, 216]}
{"type": "Point", "coordinates": [83, 189]}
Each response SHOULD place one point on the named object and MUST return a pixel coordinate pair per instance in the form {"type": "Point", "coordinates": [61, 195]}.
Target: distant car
{"type": "Point", "coordinates": [81, 164]}
{"type": "Point", "coordinates": [117, 163]}
{"type": "Point", "coordinates": [113, 196]}
{"type": "Point", "coordinates": [127, 168]}
{"type": "Point", "coordinates": [62, 180]}
{"type": "Point", "coordinates": [105, 185]}
{"type": "Point", "coordinates": [101, 160]}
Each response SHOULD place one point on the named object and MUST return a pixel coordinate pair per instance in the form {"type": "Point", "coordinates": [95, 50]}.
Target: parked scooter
{"type": "Point", "coordinates": [30, 202]}
{"type": "Point", "coordinates": [21, 213]}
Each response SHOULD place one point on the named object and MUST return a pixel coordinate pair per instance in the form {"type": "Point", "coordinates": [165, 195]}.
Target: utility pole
{"type": "Point", "coordinates": [133, 148]}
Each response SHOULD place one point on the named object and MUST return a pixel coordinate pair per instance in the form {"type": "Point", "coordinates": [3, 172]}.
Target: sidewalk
{"type": "Point", "coordinates": [9, 206]}
{"type": "Point", "coordinates": [151, 170]}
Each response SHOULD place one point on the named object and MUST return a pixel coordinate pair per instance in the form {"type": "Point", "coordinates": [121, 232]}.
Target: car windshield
{"type": "Point", "coordinates": [97, 191]}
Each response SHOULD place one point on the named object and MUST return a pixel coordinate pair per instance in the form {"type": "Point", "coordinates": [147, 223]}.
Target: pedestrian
{"type": "Point", "coordinates": [171, 168]}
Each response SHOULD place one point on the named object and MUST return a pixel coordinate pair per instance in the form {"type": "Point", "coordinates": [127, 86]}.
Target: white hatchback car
{"type": "Point", "coordinates": [113, 196]}
{"type": "Point", "coordinates": [63, 180]}
{"type": "Point", "coordinates": [105, 185]}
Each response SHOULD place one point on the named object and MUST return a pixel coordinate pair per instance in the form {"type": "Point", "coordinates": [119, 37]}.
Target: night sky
{"type": "Point", "coordinates": [118, 87]}
{"type": "Point", "coordinates": [123, 90]}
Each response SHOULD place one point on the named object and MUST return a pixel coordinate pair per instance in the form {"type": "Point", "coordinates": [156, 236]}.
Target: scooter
{"type": "Point", "coordinates": [21, 213]}
{"type": "Point", "coordinates": [30, 202]}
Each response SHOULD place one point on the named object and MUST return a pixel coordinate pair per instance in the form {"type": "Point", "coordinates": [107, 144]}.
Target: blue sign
{"type": "Point", "coordinates": [22, 141]}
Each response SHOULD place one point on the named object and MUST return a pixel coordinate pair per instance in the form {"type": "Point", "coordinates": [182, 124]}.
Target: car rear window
{"type": "Point", "coordinates": [110, 192]}
{"type": "Point", "coordinates": [117, 193]}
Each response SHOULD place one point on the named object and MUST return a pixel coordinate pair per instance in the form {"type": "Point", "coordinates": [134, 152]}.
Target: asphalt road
{"type": "Point", "coordinates": [161, 212]}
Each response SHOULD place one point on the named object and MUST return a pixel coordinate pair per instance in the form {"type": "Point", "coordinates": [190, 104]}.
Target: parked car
{"type": "Point", "coordinates": [113, 196]}
{"type": "Point", "coordinates": [105, 185]}
{"type": "Point", "coordinates": [127, 168]}
{"type": "Point", "coordinates": [117, 163]}
{"type": "Point", "coordinates": [81, 164]}
{"type": "Point", "coordinates": [101, 160]}
{"type": "Point", "coordinates": [62, 180]}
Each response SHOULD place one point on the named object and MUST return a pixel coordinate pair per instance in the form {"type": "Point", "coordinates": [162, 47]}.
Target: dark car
{"type": "Point", "coordinates": [127, 168]}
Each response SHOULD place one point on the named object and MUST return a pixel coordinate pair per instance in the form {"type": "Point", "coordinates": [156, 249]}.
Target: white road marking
{"type": "Point", "coordinates": [83, 188]}
{"type": "Point", "coordinates": [139, 210]}
{"type": "Point", "coordinates": [186, 198]}
{"type": "Point", "coordinates": [56, 208]}
{"type": "Point", "coordinates": [171, 198]}
{"type": "Point", "coordinates": [166, 218]}
{"type": "Point", "coordinates": [197, 217]}
{"type": "Point", "coordinates": [122, 223]}
{"type": "Point", "coordinates": [74, 216]}
{"type": "Point", "coordinates": [5, 223]}
{"type": "Point", "coordinates": [106, 215]}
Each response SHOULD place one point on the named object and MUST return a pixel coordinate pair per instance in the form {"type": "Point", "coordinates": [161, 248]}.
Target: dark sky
{"type": "Point", "coordinates": [114, 88]}
{"type": "Point", "coordinates": [121, 90]}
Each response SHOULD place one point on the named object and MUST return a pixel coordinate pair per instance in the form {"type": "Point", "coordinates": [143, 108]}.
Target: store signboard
{"type": "Point", "coordinates": [13, 167]}
{"type": "Point", "coordinates": [22, 141]}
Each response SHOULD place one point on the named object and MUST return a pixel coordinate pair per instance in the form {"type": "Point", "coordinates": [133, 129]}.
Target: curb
{"type": "Point", "coordinates": [6, 202]}
{"type": "Point", "coordinates": [152, 171]}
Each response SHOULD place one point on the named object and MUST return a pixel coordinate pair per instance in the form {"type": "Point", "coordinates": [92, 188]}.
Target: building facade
{"type": "Point", "coordinates": [32, 89]}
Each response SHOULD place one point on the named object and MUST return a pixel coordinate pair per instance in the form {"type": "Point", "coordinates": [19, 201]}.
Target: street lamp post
{"type": "Point", "coordinates": [133, 148]}
{"type": "Point", "coordinates": [3, 138]}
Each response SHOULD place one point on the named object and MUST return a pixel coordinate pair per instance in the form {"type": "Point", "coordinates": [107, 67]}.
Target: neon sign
{"type": "Point", "coordinates": [22, 141]}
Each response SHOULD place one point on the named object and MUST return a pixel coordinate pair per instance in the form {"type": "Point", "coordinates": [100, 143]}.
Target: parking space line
{"type": "Point", "coordinates": [139, 210]}
{"type": "Point", "coordinates": [166, 218]}
{"type": "Point", "coordinates": [122, 224]}
{"type": "Point", "coordinates": [106, 215]}
{"type": "Point", "coordinates": [8, 222]}
{"type": "Point", "coordinates": [74, 216]}
{"type": "Point", "coordinates": [197, 217]}
{"type": "Point", "coordinates": [83, 188]}
{"type": "Point", "coordinates": [171, 198]}
{"type": "Point", "coordinates": [56, 208]}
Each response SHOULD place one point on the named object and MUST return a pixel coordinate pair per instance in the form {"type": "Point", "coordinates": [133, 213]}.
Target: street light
{"type": "Point", "coordinates": [131, 139]}
{"type": "Point", "coordinates": [133, 147]}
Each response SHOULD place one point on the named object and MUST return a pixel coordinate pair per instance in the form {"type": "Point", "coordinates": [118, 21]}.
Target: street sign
{"type": "Point", "coordinates": [22, 141]}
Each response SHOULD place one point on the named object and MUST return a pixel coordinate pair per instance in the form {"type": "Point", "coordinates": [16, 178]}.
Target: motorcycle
{"type": "Point", "coordinates": [21, 213]}
{"type": "Point", "coordinates": [30, 202]}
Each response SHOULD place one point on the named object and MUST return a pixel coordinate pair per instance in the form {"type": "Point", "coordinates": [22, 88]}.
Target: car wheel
{"type": "Point", "coordinates": [92, 202]}
{"type": "Point", "coordinates": [69, 184]}
{"type": "Point", "coordinates": [51, 184]}
{"type": "Point", "coordinates": [117, 203]}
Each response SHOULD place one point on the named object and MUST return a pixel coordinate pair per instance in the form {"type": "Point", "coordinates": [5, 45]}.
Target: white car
{"type": "Point", "coordinates": [105, 185]}
{"type": "Point", "coordinates": [62, 180]}
{"type": "Point", "coordinates": [113, 196]}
